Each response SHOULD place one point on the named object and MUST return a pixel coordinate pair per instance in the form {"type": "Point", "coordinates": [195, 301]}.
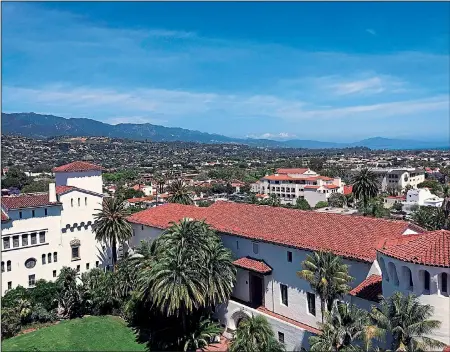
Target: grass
{"type": "Point", "coordinates": [105, 333]}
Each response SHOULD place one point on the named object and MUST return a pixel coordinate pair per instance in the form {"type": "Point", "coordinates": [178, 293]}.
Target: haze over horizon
{"type": "Point", "coordinates": [322, 71]}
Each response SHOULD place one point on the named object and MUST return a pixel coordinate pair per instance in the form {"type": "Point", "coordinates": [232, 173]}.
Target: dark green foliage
{"type": "Point", "coordinates": [12, 296]}
{"type": "Point", "coordinates": [365, 186]}
{"type": "Point", "coordinates": [11, 323]}
{"type": "Point", "coordinates": [321, 204]}
{"type": "Point", "coordinates": [128, 193]}
{"type": "Point", "coordinates": [15, 178]}
{"type": "Point", "coordinates": [36, 186]}
{"type": "Point", "coordinates": [70, 298]}
{"type": "Point", "coordinates": [430, 218]}
{"type": "Point", "coordinates": [45, 293]}
{"type": "Point", "coordinates": [179, 193]}
{"type": "Point", "coordinates": [41, 315]}
{"type": "Point", "coordinates": [302, 204]}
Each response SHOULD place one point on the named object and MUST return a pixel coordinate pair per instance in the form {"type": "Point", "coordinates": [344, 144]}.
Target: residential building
{"type": "Point", "coordinates": [42, 232]}
{"type": "Point", "coordinates": [290, 184]}
{"type": "Point", "coordinates": [396, 178]}
{"type": "Point", "coordinates": [421, 197]}
{"type": "Point", "coordinates": [389, 201]}
{"type": "Point", "coordinates": [269, 244]}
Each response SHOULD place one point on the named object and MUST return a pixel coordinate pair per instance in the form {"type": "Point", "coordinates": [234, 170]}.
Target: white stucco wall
{"type": "Point", "coordinates": [90, 180]}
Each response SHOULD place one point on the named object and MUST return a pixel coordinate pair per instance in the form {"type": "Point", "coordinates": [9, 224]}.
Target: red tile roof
{"type": "Point", "coordinates": [291, 171]}
{"type": "Point", "coordinates": [289, 320]}
{"type": "Point", "coordinates": [370, 289]}
{"type": "Point", "coordinates": [26, 201]}
{"type": "Point", "coordinates": [221, 346]}
{"type": "Point", "coordinates": [64, 189]}
{"type": "Point", "coordinates": [4, 216]}
{"type": "Point", "coordinates": [350, 236]}
{"type": "Point", "coordinates": [253, 264]}
{"type": "Point", "coordinates": [348, 189]}
{"type": "Point", "coordinates": [311, 187]}
{"type": "Point", "coordinates": [142, 199]}
{"type": "Point", "coordinates": [78, 166]}
{"type": "Point", "coordinates": [331, 186]}
{"type": "Point", "coordinates": [429, 248]}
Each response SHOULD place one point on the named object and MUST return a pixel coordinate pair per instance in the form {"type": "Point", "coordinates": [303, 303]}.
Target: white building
{"type": "Point", "coordinates": [396, 178]}
{"type": "Point", "coordinates": [421, 197]}
{"type": "Point", "coordinates": [42, 232]}
{"type": "Point", "coordinates": [269, 244]}
{"type": "Point", "coordinates": [290, 184]}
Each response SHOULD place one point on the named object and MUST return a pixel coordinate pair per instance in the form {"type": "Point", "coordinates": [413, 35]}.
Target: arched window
{"type": "Point", "coordinates": [8, 265]}
{"type": "Point", "coordinates": [425, 280]}
{"type": "Point", "coordinates": [407, 278]}
{"type": "Point", "coordinates": [49, 258]}
{"type": "Point", "coordinates": [384, 273]}
{"type": "Point", "coordinates": [393, 273]}
{"type": "Point", "coordinates": [55, 257]}
{"type": "Point", "coordinates": [444, 283]}
{"type": "Point", "coordinates": [3, 267]}
{"type": "Point", "coordinates": [43, 258]}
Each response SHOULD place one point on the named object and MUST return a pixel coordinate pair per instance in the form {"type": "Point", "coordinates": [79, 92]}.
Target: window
{"type": "Point", "coordinates": [426, 284]}
{"type": "Point", "coordinates": [142, 227]}
{"type": "Point", "coordinates": [9, 285]}
{"type": "Point", "coordinates": [54, 273]}
{"type": "Point", "coordinates": [444, 283]}
{"type": "Point", "coordinates": [33, 213]}
{"type": "Point", "coordinates": [284, 294]}
{"type": "Point", "coordinates": [289, 256]}
{"type": "Point", "coordinates": [42, 237]}
{"type": "Point", "coordinates": [25, 240]}
{"type": "Point", "coordinates": [49, 258]}
{"type": "Point", "coordinates": [75, 253]}
{"type": "Point", "coordinates": [20, 215]}
{"type": "Point", "coordinates": [3, 267]}
{"type": "Point", "coordinates": [15, 241]}
{"type": "Point", "coordinates": [71, 202]}
{"type": "Point", "coordinates": [85, 200]}
{"type": "Point", "coordinates": [255, 248]}
{"type": "Point", "coordinates": [45, 212]}
{"type": "Point", "coordinates": [280, 337]}
{"type": "Point", "coordinates": [87, 266]}
{"type": "Point", "coordinates": [79, 202]}
{"type": "Point", "coordinates": [5, 242]}
{"type": "Point", "coordinates": [31, 280]}
{"type": "Point", "coordinates": [78, 268]}
{"type": "Point", "coordinates": [311, 298]}
{"type": "Point", "coordinates": [43, 259]}
{"type": "Point", "coordinates": [8, 265]}
{"type": "Point", "coordinates": [33, 238]}
{"type": "Point", "coordinates": [55, 257]}
{"type": "Point", "coordinates": [97, 263]}
{"type": "Point", "coordinates": [237, 244]}
{"type": "Point", "coordinates": [30, 263]}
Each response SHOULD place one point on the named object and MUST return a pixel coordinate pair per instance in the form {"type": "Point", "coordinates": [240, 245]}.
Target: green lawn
{"type": "Point", "coordinates": [106, 333]}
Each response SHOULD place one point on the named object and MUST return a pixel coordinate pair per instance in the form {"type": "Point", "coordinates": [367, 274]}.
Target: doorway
{"type": "Point", "coordinates": [256, 290]}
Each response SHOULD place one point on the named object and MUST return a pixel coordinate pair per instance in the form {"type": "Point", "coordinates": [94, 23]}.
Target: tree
{"type": "Point", "coordinates": [344, 326]}
{"type": "Point", "coordinates": [375, 208]}
{"type": "Point", "coordinates": [10, 322]}
{"type": "Point", "coordinates": [36, 186]}
{"type": "Point", "coordinates": [328, 277]}
{"type": "Point", "coordinates": [430, 218]}
{"type": "Point", "coordinates": [316, 164]}
{"type": "Point", "coordinates": [273, 200]}
{"type": "Point", "coordinates": [321, 204]}
{"type": "Point", "coordinates": [129, 193]}
{"type": "Point", "coordinates": [365, 186]}
{"type": "Point", "coordinates": [397, 206]}
{"type": "Point", "coordinates": [408, 321]}
{"type": "Point", "coordinates": [434, 186]}
{"type": "Point", "coordinates": [302, 204]}
{"type": "Point", "coordinates": [15, 178]}
{"type": "Point", "coordinates": [337, 200]}
{"type": "Point", "coordinates": [45, 293]}
{"type": "Point", "coordinates": [255, 335]}
{"type": "Point", "coordinates": [201, 336]}
{"type": "Point", "coordinates": [179, 193]}
{"type": "Point", "coordinates": [70, 301]}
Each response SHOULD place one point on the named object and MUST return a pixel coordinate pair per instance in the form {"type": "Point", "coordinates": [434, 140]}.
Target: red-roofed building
{"type": "Point", "coordinates": [269, 244]}
{"type": "Point", "coordinates": [291, 184]}
{"type": "Point", "coordinates": [78, 166]}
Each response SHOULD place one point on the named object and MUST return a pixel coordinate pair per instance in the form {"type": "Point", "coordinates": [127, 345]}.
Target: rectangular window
{"type": "Point", "coordinates": [33, 213]}
{"type": "Point", "coordinates": [284, 294]}
{"type": "Point", "coordinates": [289, 256]}
{"type": "Point", "coordinates": [25, 240]}
{"type": "Point", "coordinates": [54, 273]}
{"type": "Point", "coordinates": [71, 202]}
{"type": "Point", "coordinates": [97, 263]}
{"type": "Point", "coordinates": [78, 268]}
{"type": "Point", "coordinates": [20, 215]}
{"type": "Point", "coordinates": [444, 282]}
{"type": "Point", "coordinates": [49, 258]}
{"type": "Point", "coordinates": [15, 241]}
{"type": "Point", "coordinates": [43, 259]}
{"type": "Point", "coordinates": [42, 237]}
{"type": "Point", "coordinates": [5, 242]}
{"type": "Point", "coordinates": [427, 281]}
{"type": "Point", "coordinates": [280, 337]}
{"type": "Point", "coordinates": [237, 244]}
{"type": "Point", "coordinates": [9, 285]}
{"type": "Point", "coordinates": [311, 297]}
{"type": "Point", "coordinates": [31, 280]}
{"type": "Point", "coordinates": [8, 265]}
{"type": "Point", "coordinates": [45, 211]}
{"type": "Point", "coordinates": [55, 257]}
{"type": "Point", "coordinates": [79, 202]}
{"type": "Point", "coordinates": [75, 253]}
{"type": "Point", "coordinates": [85, 200]}
{"type": "Point", "coordinates": [255, 248]}
{"type": "Point", "coordinates": [87, 266]}
{"type": "Point", "coordinates": [33, 238]}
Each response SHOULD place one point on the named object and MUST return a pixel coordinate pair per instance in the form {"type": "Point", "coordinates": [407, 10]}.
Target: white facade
{"type": "Point", "coordinates": [37, 241]}
{"type": "Point", "coordinates": [397, 178]}
{"type": "Point", "coordinates": [421, 197]}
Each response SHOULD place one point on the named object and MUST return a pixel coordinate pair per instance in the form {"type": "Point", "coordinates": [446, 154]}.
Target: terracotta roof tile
{"type": "Point", "coordinates": [78, 166]}
{"type": "Point", "coordinates": [370, 289]}
{"type": "Point", "coordinates": [64, 189]}
{"type": "Point", "coordinates": [331, 186]}
{"type": "Point", "coordinates": [253, 264]}
{"type": "Point", "coordinates": [289, 320]}
{"type": "Point", "coordinates": [348, 189]}
{"type": "Point", "coordinates": [5, 217]}
{"type": "Point", "coordinates": [354, 237]}
{"type": "Point", "coordinates": [429, 248]}
{"type": "Point", "coordinates": [27, 201]}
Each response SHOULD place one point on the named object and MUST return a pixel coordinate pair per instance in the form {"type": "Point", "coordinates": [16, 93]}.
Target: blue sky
{"type": "Point", "coordinates": [326, 71]}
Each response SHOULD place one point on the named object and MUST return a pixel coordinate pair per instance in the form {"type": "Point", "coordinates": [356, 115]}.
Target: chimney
{"type": "Point", "coordinates": [52, 193]}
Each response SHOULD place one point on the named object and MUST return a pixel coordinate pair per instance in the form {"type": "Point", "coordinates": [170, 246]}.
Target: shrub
{"type": "Point", "coordinates": [321, 204]}
{"type": "Point", "coordinates": [302, 204]}
{"type": "Point", "coordinates": [46, 294]}
{"type": "Point", "coordinates": [10, 322]}
{"type": "Point", "coordinates": [41, 315]}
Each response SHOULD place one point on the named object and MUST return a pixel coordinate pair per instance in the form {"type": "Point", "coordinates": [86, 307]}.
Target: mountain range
{"type": "Point", "coordinates": [44, 126]}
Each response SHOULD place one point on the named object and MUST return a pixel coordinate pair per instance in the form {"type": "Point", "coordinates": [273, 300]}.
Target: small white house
{"type": "Point", "coordinates": [421, 197]}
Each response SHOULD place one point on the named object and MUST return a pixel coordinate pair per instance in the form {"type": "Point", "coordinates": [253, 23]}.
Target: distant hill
{"type": "Point", "coordinates": [44, 126]}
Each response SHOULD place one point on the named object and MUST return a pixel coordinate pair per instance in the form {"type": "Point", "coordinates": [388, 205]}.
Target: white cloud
{"type": "Point", "coordinates": [281, 135]}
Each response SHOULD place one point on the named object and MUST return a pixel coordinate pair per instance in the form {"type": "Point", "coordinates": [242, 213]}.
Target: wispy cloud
{"type": "Point", "coordinates": [371, 31]}
{"type": "Point", "coordinates": [268, 135]}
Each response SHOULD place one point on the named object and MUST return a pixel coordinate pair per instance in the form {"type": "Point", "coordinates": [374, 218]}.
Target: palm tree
{"type": "Point", "coordinates": [344, 325]}
{"type": "Point", "coordinates": [70, 302]}
{"type": "Point", "coordinates": [179, 193]}
{"type": "Point", "coordinates": [202, 335]}
{"type": "Point", "coordinates": [408, 321]}
{"type": "Point", "coordinates": [431, 218]}
{"type": "Point", "coordinates": [255, 335]}
{"type": "Point", "coordinates": [365, 186]}
{"type": "Point", "coordinates": [111, 226]}
{"type": "Point", "coordinates": [327, 275]}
